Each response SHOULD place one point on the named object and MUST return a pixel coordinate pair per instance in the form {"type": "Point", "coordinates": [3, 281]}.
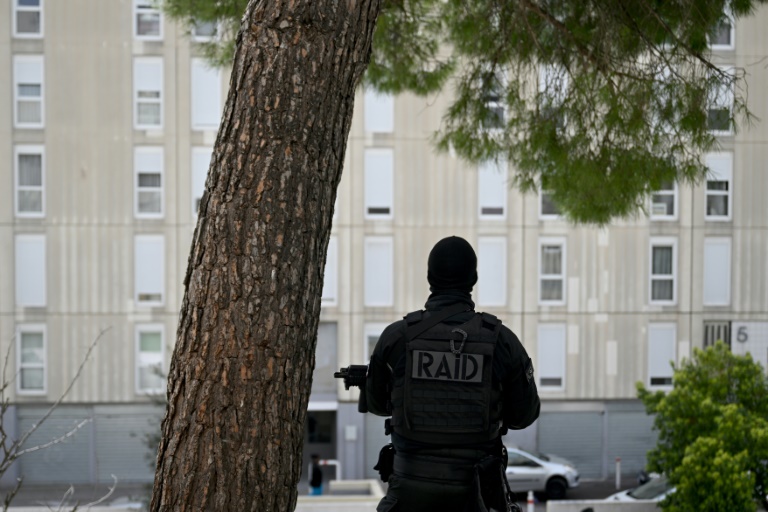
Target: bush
{"type": "Point", "coordinates": [713, 432]}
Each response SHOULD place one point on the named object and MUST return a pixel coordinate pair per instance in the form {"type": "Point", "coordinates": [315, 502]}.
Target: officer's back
{"type": "Point", "coordinates": [453, 381]}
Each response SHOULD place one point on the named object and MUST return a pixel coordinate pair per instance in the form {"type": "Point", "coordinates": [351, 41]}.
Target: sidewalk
{"type": "Point", "coordinates": [54, 495]}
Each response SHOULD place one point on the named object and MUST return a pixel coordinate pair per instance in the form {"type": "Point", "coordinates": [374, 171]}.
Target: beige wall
{"type": "Point", "coordinates": [88, 50]}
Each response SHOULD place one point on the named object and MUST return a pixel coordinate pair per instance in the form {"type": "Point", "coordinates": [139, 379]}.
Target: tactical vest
{"type": "Point", "coordinates": [446, 395]}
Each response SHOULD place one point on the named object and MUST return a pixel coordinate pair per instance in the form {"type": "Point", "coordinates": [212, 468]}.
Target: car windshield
{"type": "Point", "coordinates": [518, 459]}
{"type": "Point", "coordinates": [650, 490]}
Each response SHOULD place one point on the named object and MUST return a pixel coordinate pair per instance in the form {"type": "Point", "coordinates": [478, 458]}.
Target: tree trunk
{"type": "Point", "coordinates": [241, 372]}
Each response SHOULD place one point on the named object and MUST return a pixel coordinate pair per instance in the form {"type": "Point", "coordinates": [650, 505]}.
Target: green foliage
{"type": "Point", "coordinates": [713, 432]}
{"type": "Point", "coordinates": [227, 14]}
{"type": "Point", "coordinates": [711, 479]}
{"type": "Point", "coordinates": [623, 108]}
{"type": "Point", "coordinates": [407, 49]}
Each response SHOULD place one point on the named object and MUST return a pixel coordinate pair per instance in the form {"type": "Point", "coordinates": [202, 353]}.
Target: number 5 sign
{"type": "Point", "coordinates": [751, 337]}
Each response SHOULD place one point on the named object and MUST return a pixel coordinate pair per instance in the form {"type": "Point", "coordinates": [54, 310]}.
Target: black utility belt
{"type": "Point", "coordinates": [434, 468]}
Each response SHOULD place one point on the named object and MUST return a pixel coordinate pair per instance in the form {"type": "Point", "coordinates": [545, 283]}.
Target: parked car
{"type": "Point", "coordinates": [655, 489]}
{"type": "Point", "coordinates": [541, 473]}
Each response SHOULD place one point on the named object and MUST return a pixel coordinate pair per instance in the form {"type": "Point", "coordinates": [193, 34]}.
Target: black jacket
{"type": "Point", "coordinates": [511, 368]}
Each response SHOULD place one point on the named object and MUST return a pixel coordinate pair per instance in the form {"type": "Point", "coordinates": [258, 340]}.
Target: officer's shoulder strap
{"type": "Point", "coordinates": [413, 330]}
{"type": "Point", "coordinates": [414, 317]}
{"type": "Point", "coordinates": [491, 322]}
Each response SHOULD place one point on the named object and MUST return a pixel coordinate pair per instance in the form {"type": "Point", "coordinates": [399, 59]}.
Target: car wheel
{"type": "Point", "coordinates": [556, 488]}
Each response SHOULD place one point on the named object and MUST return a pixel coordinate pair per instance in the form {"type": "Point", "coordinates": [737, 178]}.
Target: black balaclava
{"type": "Point", "coordinates": [452, 265]}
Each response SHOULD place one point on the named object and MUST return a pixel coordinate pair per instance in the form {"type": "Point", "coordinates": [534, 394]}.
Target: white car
{"type": "Point", "coordinates": [655, 489]}
{"type": "Point", "coordinates": [543, 473]}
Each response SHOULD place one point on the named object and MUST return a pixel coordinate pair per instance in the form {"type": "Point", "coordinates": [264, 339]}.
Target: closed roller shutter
{"type": "Point", "coordinates": [576, 436]}
{"type": "Point", "coordinates": [122, 445]}
{"type": "Point", "coordinates": [68, 461]}
{"type": "Point", "coordinates": [630, 436]}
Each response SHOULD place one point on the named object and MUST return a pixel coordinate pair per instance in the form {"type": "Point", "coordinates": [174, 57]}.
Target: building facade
{"type": "Point", "coordinates": [107, 122]}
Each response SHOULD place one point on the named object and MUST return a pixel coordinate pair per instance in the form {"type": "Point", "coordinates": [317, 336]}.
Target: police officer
{"type": "Point", "coordinates": [453, 382]}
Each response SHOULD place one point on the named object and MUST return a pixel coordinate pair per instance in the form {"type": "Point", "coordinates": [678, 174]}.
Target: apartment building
{"type": "Point", "coordinates": [107, 122]}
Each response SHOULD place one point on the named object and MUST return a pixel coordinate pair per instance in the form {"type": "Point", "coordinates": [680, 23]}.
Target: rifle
{"type": "Point", "coordinates": [354, 375]}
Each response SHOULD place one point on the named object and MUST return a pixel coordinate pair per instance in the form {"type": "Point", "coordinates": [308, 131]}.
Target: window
{"type": "Point", "coordinates": [553, 90]}
{"type": "Point", "coordinates": [664, 202]}
{"type": "Point", "coordinates": [663, 87]}
{"type": "Point", "coordinates": [519, 460]}
{"type": "Point", "coordinates": [718, 203]}
{"type": "Point", "coordinates": [492, 271]}
{"type": "Point", "coordinates": [148, 93]}
{"type": "Point", "coordinates": [551, 356]}
{"type": "Point", "coordinates": [148, 171]}
{"type": "Point", "coordinates": [331, 278]}
{"type": "Point", "coordinates": [494, 87]}
{"type": "Point", "coordinates": [723, 36]}
{"type": "Point", "coordinates": [492, 189]}
{"type": "Point", "coordinates": [30, 181]}
{"type": "Point", "coordinates": [379, 178]}
{"type": "Point", "coordinates": [321, 429]}
{"type": "Point", "coordinates": [548, 209]}
{"type": "Point", "coordinates": [148, 21]}
{"type": "Point", "coordinates": [206, 96]}
{"type": "Point", "coordinates": [372, 335]}
{"type": "Point", "coordinates": [31, 359]}
{"type": "Point", "coordinates": [552, 271]}
{"type": "Point", "coordinates": [30, 271]}
{"type": "Point", "coordinates": [720, 107]}
{"type": "Point", "coordinates": [203, 30]}
{"type": "Point", "coordinates": [379, 111]}
{"type": "Point", "coordinates": [661, 353]}
{"type": "Point", "coordinates": [715, 331]}
{"type": "Point", "coordinates": [323, 383]}
{"type": "Point", "coordinates": [663, 271]}
{"type": "Point", "coordinates": [150, 359]}
{"type": "Point", "coordinates": [717, 271]}
{"type": "Point", "coordinates": [201, 160]}
{"type": "Point", "coordinates": [28, 18]}
{"type": "Point", "coordinates": [149, 270]}
{"type": "Point", "coordinates": [379, 271]}
{"type": "Point", "coordinates": [28, 91]}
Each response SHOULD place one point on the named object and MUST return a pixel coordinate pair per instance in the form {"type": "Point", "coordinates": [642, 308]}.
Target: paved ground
{"type": "Point", "coordinates": [68, 497]}
{"type": "Point", "coordinates": [53, 495]}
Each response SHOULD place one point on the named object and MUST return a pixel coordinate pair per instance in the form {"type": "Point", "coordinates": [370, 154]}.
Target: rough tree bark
{"type": "Point", "coordinates": [241, 372]}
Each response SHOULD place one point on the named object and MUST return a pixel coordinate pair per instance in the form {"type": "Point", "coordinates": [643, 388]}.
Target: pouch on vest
{"type": "Point", "coordinates": [386, 462]}
{"type": "Point", "coordinates": [447, 394]}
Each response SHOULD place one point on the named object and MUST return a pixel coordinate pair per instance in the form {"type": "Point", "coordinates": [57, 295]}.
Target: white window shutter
{"type": "Point", "coordinates": [551, 355]}
{"type": "Point", "coordinates": [206, 96]}
{"type": "Point", "coordinates": [379, 271]}
{"type": "Point", "coordinates": [331, 279]}
{"type": "Point", "coordinates": [662, 339]}
{"type": "Point", "coordinates": [379, 112]}
{"type": "Point", "coordinates": [149, 269]}
{"type": "Point", "coordinates": [201, 161]}
{"type": "Point", "coordinates": [492, 271]}
{"type": "Point", "coordinates": [717, 271]}
{"type": "Point", "coordinates": [30, 271]}
{"type": "Point", "coordinates": [492, 189]}
{"type": "Point", "coordinates": [379, 186]}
